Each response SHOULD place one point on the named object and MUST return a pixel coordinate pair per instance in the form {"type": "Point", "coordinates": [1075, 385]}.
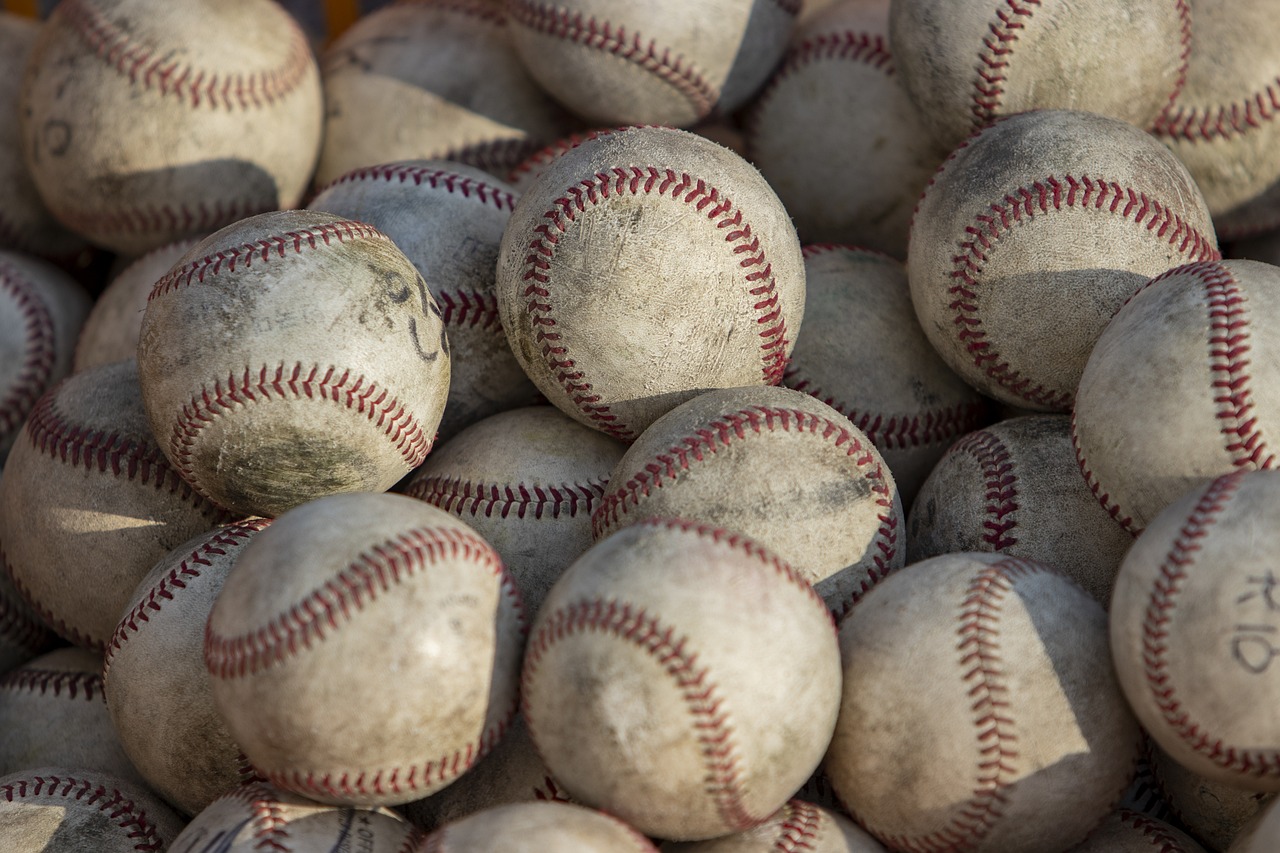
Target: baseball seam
{"type": "Point", "coordinates": [479, 9]}
{"type": "Point", "coordinates": [470, 308]}
{"type": "Point", "coordinates": [38, 356]}
{"type": "Point", "coordinates": [1173, 570]}
{"type": "Point", "coordinates": [434, 178]}
{"type": "Point", "coordinates": [336, 602]}
{"type": "Point", "coordinates": [585, 30]}
{"type": "Point", "coordinates": [1000, 482]}
{"type": "Point", "coordinates": [276, 245]}
{"type": "Point", "coordinates": [1047, 196]}
{"type": "Point", "coordinates": [545, 155]}
{"type": "Point", "coordinates": [270, 827]}
{"type": "Point", "coordinates": [18, 627]}
{"type": "Point", "coordinates": [718, 434]}
{"type": "Point", "coordinates": [987, 88]}
{"type": "Point", "coordinates": [1223, 121]}
{"type": "Point", "coordinates": [175, 218]}
{"type": "Point", "coordinates": [162, 70]}
{"type": "Point", "coordinates": [1152, 830]}
{"type": "Point", "coordinates": [464, 497]}
{"type": "Point", "coordinates": [634, 180]}
{"type": "Point", "coordinates": [1104, 499]}
{"type": "Point", "coordinates": [799, 829]}
{"type": "Point", "coordinates": [59, 627]}
{"type": "Point", "coordinates": [171, 584]}
{"type": "Point", "coordinates": [76, 685]}
{"type": "Point", "coordinates": [122, 811]}
{"type": "Point", "coordinates": [496, 156]}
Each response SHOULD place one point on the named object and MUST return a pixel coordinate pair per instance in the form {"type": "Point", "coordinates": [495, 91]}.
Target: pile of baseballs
{"type": "Point", "coordinates": [718, 426]}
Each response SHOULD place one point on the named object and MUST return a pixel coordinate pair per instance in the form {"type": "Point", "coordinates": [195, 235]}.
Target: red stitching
{"type": "Point", "coordinates": [544, 156]}
{"type": "Point", "coordinates": [162, 69]}
{"type": "Point", "coordinates": [171, 584]}
{"type": "Point", "coordinates": [684, 188]}
{"type": "Point", "coordinates": [495, 156]}
{"type": "Point", "coordinates": [1001, 483]}
{"type": "Point", "coordinates": [1154, 830]}
{"type": "Point", "coordinates": [1184, 62]}
{"type": "Point", "coordinates": [18, 627]}
{"type": "Point", "coordinates": [270, 826]}
{"type": "Point", "coordinates": [176, 218]}
{"type": "Point", "coordinates": [673, 69]}
{"type": "Point", "coordinates": [76, 685]}
{"type": "Point", "coordinates": [1164, 594]}
{"type": "Point", "coordinates": [1044, 197]}
{"type": "Point", "coordinates": [313, 382]}
{"type": "Point", "coordinates": [993, 59]}
{"type": "Point", "coordinates": [463, 497]}
{"type": "Point", "coordinates": [1091, 480]}
{"type": "Point", "coordinates": [275, 245]}
{"type": "Point", "coordinates": [469, 308]}
{"type": "Point", "coordinates": [47, 617]}
{"type": "Point", "coordinates": [890, 431]}
{"type": "Point", "coordinates": [997, 741]}
{"type": "Point", "coordinates": [125, 813]}
{"type": "Point", "coordinates": [736, 426]}
{"type": "Point", "coordinates": [799, 828]}
{"type": "Point", "coordinates": [434, 178]}
{"type": "Point", "coordinates": [483, 10]}
{"type": "Point", "coordinates": [39, 354]}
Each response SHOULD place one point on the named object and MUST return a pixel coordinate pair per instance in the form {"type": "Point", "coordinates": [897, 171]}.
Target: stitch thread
{"type": "Point", "coordinates": [17, 626]}
{"type": "Point", "coordinates": [799, 829]}
{"type": "Point", "coordinates": [993, 58]}
{"type": "Point", "coordinates": [433, 178]}
{"type": "Point", "coordinates": [1001, 484]}
{"type": "Point", "coordinates": [547, 154]}
{"type": "Point", "coordinates": [673, 69]}
{"type": "Point", "coordinates": [176, 218]}
{"type": "Point", "coordinates": [59, 627]}
{"type": "Point", "coordinates": [1091, 480]}
{"type": "Point", "coordinates": [270, 826]}
{"type": "Point", "coordinates": [469, 308]}
{"type": "Point", "coordinates": [495, 156]}
{"type": "Point", "coordinates": [463, 497]}
{"type": "Point", "coordinates": [1161, 840]}
{"type": "Point", "coordinates": [1165, 592]}
{"type": "Point", "coordinates": [76, 685]}
{"type": "Point", "coordinates": [123, 812]}
{"type": "Point", "coordinates": [160, 70]}
{"type": "Point", "coordinates": [478, 9]}
{"type": "Point", "coordinates": [38, 355]}
{"type": "Point", "coordinates": [1049, 195]}
{"type": "Point", "coordinates": [634, 180]}
{"type": "Point", "coordinates": [737, 426]}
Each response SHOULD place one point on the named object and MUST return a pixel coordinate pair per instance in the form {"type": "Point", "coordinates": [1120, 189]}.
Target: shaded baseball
{"type": "Point", "coordinates": [527, 481]}
{"type": "Point", "coordinates": [290, 356]}
{"type": "Point", "coordinates": [406, 589]}
{"type": "Point", "coordinates": [1015, 488]}
{"type": "Point", "coordinates": [1033, 234]}
{"type": "Point", "coordinates": [980, 709]}
{"type": "Point", "coordinates": [1130, 832]}
{"type": "Point", "coordinates": [140, 128]}
{"type": "Point", "coordinates": [535, 828]}
{"type": "Point", "coordinates": [796, 826]}
{"type": "Point", "coordinates": [681, 677]}
{"type": "Point", "coordinates": [448, 220]}
{"type": "Point", "coordinates": [776, 465]}
{"type": "Point", "coordinates": [1212, 811]}
{"type": "Point", "coordinates": [1194, 620]}
{"type": "Point", "coordinates": [1260, 835]}
{"type": "Point", "coordinates": [1180, 388]}
{"type": "Point", "coordinates": [596, 270]}
{"type": "Point", "coordinates": [23, 634]}
{"type": "Point", "coordinates": [969, 63]}
{"type": "Point", "coordinates": [862, 352]}
{"type": "Point", "coordinates": [158, 690]}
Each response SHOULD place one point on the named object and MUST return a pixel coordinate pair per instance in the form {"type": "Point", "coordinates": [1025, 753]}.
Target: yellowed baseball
{"type": "Point", "coordinates": [797, 826]}
{"type": "Point", "coordinates": [536, 828]}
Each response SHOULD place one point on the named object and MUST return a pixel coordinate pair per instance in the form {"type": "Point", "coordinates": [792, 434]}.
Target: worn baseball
{"type": "Point", "coordinates": [980, 709]}
{"type": "Point", "coordinates": [1144, 794]}
{"type": "Point", "coordinates": [111, 331]}
{"type": "Point", "coordinates": [1015, 488]}
{"type": "Point", "coordinates": [146, 121]}
{"type": "Point", "coordinates": [1209, 810]}
{"type": "Point", "coordinates": [682, 677]}
{"type": "Point", "coordinates": [49, 809]}
{"type": "Point", "coordinates": [23, 634]}
{"type": "Point", "coordinates": [1260, 835]}
{"type": "Point", "coordinates": [662, 62]}
{"type": "Point", "coordinates": [797, 826]}
{"type": "Point", "coordinates": [1030, 237]}
{"type": "Point", "coordinates": [537, 828]}
{"type": "Point", "coordinates": [290, 356]}
{"type": "Point", "coordinates": [1180, 388]}
{"type": "Point", "coordinates": [595, 269]}
{"type": "Point", "coordinates": [88, 504]}
{"type": "Point", "coordinates": [41, 312]}
{"type": "Point", "coordinates": [1127, 831]}
{"type": "Point", "coordinates": [836, 135]}
{"type": "Point", "coordinates": [448, 220]}
{"type": "Point", "coordinates": [1221, 124]}
{"type": "Point", "coordinates": [778, 466]}
{"type": "Point", "coordinates": [862, 352]}
{"type": "Point", "coordinates": [158, 690]}
{"type": "Point", "coordinates": [969, 63]}
{"type": "Point", "coordinates": [407, 589]}
{"type": "Point", "coordinates": [52, 714]}
{"type": "Point", "coordinates": [255, 817]}
{"type": "Point", "coordinates": [527, 481]}
{"type": "Point", "coordinates": [25, 223]}
{"type": "Point", "coordinates": [431, 79]}
{"type": "Point", "coordinates": [1195, 629]}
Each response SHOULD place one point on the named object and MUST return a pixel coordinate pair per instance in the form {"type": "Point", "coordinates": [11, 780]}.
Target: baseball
{"type": "Point", "coordinates": [537, 828]}
{"type": "Point", "coordinates": [146, 121]}
{"type": "Point", "coordinates": [1194, 622]}
{"type": "Point", "coordinates": [448, 220]}
{"type": "Point", "coordinates": [23, 634]}
{"type": "Point", "coordinates": [1210, 810]}
{"type": "Point", "coordinates": [157, 688]}
{"type": "Point", "coordinates": [796, 826]}
{"type": "Point", "coordinates": [1187, 355]}
{"type": "Point", "coordinates": [527, 481]}
{"type": "Point", "coordinates": [290, 356]}
{"type": "Point", "coordinates": [421, 622]}
{"type": "Point", "coordinates": [980, 710]}
{"type": "Point", "coordinates": [683, 678]}
{"type": "Point", "coordinates": [595, 273]}
{"type": "Point", "coordinates": [862, 352]}
{"type": "Point", "coordinates": [967, 64]}
{"type": "Point", "coordinates": [1030, 237]}
{"type": "Point", "coordinates": [776, 465]}
{"type": "Point", "coordinates": [1261, 835]}
{"type": "Point", "coordinates": [1130, 832]}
